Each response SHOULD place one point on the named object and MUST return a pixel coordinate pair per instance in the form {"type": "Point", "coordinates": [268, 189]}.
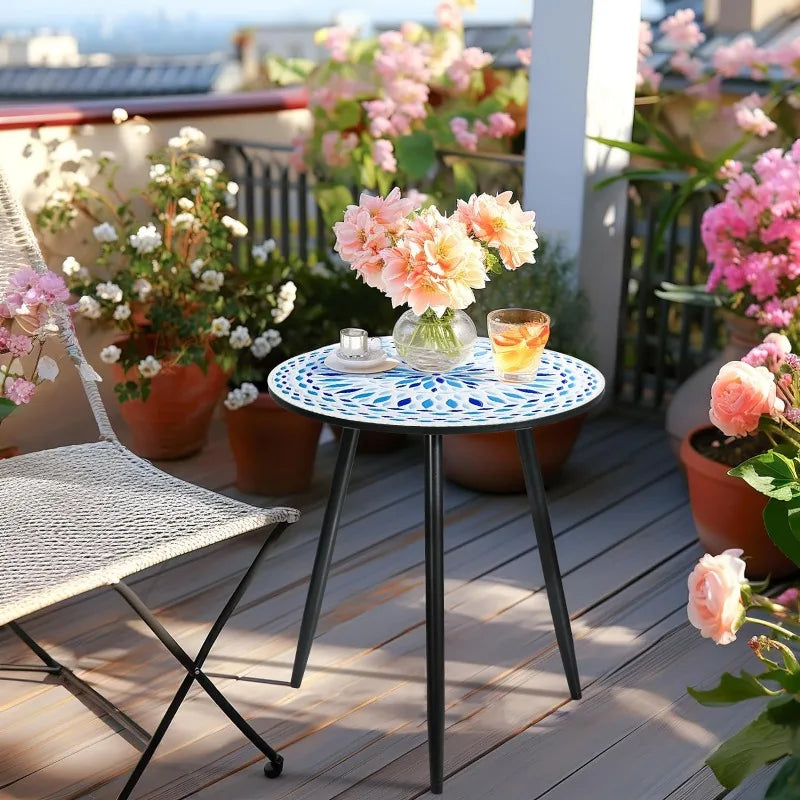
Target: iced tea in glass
{"type": "Point", "coordinates": [518, 337]}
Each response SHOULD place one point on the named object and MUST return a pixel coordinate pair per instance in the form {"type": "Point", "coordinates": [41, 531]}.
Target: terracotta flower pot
{"type": "Point", "coordinates": [728, 513]}
{"type": "Point", "coordinates": [173, 422]}
{"type": "Point", "coordinates": [274, 449]}
{"type": "Point", "coordinates": [490, 462]}
{"type": "Point", "coordinates": [10, 451]}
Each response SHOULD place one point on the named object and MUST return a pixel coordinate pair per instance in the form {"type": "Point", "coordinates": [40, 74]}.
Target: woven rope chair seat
{"type": "Point", "coordinates": [89, 515]}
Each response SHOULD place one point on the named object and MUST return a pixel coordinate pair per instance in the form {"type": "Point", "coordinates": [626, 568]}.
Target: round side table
{"type": "Point", "coordinates": [468, 399]}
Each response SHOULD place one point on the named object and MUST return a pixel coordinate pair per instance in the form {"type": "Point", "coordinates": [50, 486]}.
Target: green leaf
{"type": "Point", "coordinates": [287, 71]}
{"type": "Point", "coordinates": [761, 742]}
{"type": "Point", "coordinates": [770, 473]}
{"type": "Point", "coordinates": [786, 784]}
{"type": "Point", "coordinates": [679, 158]}
{"type": "Point", "coordinates": [732, 690]}
{"type": "Point", "coordinates": [776, 520]}
{"type": "Point", "coordinates": [416, 154]}
{"type": "Point", "coordinates": [785, 678]}
{"type": "Point", "coordinates": [465, 180]}
{"type": "Point", "coordinates": [696, 295]}
{"type": "Point", "coordinates": [346, 114]}
{"type": "Point", "coordinates": [6, 407]}
{"type": "Point", "coordinates": [333, 199]}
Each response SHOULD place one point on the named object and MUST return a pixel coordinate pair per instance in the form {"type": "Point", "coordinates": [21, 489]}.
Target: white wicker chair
{"type": "Point", "coordinates": [81, 517]}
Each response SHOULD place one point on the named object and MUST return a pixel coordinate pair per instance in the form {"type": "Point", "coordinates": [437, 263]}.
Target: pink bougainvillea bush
{"type": "Point", "coordinates": [26, 321]}
{"type": "Point", "coordinates": [385, 108]}
{"type": "Point", "coordinates": [752, 238]}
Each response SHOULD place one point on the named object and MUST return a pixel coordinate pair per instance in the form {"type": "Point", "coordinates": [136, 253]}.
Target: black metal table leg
{"type": "Point", "coordinates": [547, 554]}
{"type": "Point", "coordinates": [434, 607]}
{"type": "Point", "coordinates": [322, 560]}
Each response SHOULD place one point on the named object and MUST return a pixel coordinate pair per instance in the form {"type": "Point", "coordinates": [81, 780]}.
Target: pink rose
{"type": "Point", "coordinates": [715, 605]}
{"type": "Point", "coordinates": [740, 395]}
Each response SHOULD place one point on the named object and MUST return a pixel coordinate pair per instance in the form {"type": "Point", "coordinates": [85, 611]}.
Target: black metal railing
{"type": "Point", "coordinates": [660, 343]}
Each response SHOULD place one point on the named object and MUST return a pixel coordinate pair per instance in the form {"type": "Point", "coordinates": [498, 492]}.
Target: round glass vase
{"type": "Point", "coordinates": [434, 344]}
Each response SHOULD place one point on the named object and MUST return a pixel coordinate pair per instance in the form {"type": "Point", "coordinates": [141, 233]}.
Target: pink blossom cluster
{"type": "Point", "coordinates": [30, 297]}
{"type": "Point", "coordinates": [497, 126]}
{"type": "Point", "coordinates": [336, 148]}
{"type": "Point", "coordinates": [470, 60]}
{"type": "Point", "coordinates": [752, 237]}
{"type": "Point", "coordinates": [741, 54]}
{"type": "Point", "coordinates": [681, 29]}
{"type": "Point", "coordinates": [646, 75]}
{"type": "Point", "coordinates": [750, 116]}
{"type": "Point", "coordinates": [427, 260]}
{"type": "Point", "coordinates": [404, 70]}
{"type": "Point", "coordinates": [336, 41]}
{"type": "Point", "coordinates": [297, 158]}
{"type": "Point", "coordinates": [449, 16]}
{"type": "Point", "coordinates": [383, 155]}
{"type": "Point", "coordinates": [336, 88]}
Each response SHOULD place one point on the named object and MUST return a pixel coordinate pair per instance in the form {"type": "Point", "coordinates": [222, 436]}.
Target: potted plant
{"type": "Point", "coordinates": [271, 318]}
{"type": "Point", "coordinates": [30, 305]}
{"type": "Point", "coordinates": [490, 461]}
{"type": "Point", "coordinates": [163, 270]}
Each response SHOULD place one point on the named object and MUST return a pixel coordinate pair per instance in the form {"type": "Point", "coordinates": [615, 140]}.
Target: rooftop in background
{"type": "Point", "coordinates": [142, 77]}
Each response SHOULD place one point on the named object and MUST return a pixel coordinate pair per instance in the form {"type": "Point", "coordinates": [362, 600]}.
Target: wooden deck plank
{"type": "Point", "coordinates": [356, 728]}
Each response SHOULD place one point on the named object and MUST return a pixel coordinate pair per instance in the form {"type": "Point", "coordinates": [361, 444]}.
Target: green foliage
{"type": "Point", "coordinates": [333, 199]}
{"type": "Point", "coordinates": [6, 407]}
{"type": "Point", "coordinates": [289, 71]}
{"type": "Point", "coordinates": [416, 154]}
{"type": "Point", "coordinates": [781, 521]}
{"type": "Point", "coordinates": [773, 473]}
{"type": "Point", "coordinates": [732, 689]}
{"type": "Point", "coordinates": [786, 784]}
{"type": "Point", "coordinates": [549, 285]}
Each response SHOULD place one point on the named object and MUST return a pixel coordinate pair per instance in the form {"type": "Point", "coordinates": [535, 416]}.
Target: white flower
{"type": "Point", "coordinates": [142, 287]}
{"type": "Point", "coordinates": [262, 251]}
{"type": "Point", "coordinates": [185, 204]}
{"type": "Point", "coordinates": [201, 162]}
{"type": "Point", "coordinates": [215, 164]}
{"type": "Point", "coordinates": [107, 155]}
{"type": "Point", "coordinates": [247, 393]}
{"type": "Point", "coordinates": [232, 187]}
{"type": "Point", "coordinates": [273, 337]}
{"type": "Point", "coordinates": [146, 239]}
{"type": "Point", "coordinates": [119, 115]}
{"type": "Point", "coordinates": [84, 154]}
{"type": "Point", "coordinates": [159, 174]}
{"type": "Point", "coordinates": [89, 307]}
{"type": "Point", "coordinates": [288, 291]}
{"type": "Point", "coordinates": [122, 312]}
{"type": "Point", "coordinates": [156, 265]}
{"type": "Point", "coordinates": [47, 369]}
{"type": "Point", "coordinates": [211, 280]}
{"type": "Point", "coordinates": [286, 297]}
{"type": "Point", "coordinates": [185, 220]}
{"type": "Point", "coordinates": [70, 266]}
{"type": "Point", "coordinates": [109, 291]}
{"type": "Point", "coordinates": [105, 232]}
{"type": "Point", "coordinates": [177, 142]}
{"type": "Point", "coordinates": [86, 130]}
{"type": "Point", "coordinates": [196, 266]}
{"type": "Point", "coordinates": [234, 226]}
{"type": "Point", "coordinates": [142, 128]}
{"type": "Point", "coordinates": [240, 338]}
{"type": "Point", "coordinates": [193, 136]}
{"type": "Point", "coordinates": [76, 179]}
{"type": "Point", "coordinates": [230, 201]}
{"type": "Point", "coordinates": [220, 327]}
{"type": "Point", "coordinates": [110, 354]}
{"type": "Point", "coordinates": [149, 367]}
{"type": "Point", "coordinates": [260, 348]}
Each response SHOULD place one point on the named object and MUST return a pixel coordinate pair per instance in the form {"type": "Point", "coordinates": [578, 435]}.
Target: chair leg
{"type": "Point", "coordinates": [547, 554]}
{"type": "Point", "coordinates": [322, 560]}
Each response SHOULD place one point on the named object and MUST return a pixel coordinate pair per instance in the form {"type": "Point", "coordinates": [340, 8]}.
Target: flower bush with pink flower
{"type": "Point", "coordinates": [752, 238]}
{"type": "Point", "coordinates": [28, 309]}
{"type": "Point", "coordinates": [385, 109]}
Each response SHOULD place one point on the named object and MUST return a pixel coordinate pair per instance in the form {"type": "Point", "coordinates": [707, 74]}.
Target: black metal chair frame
{"type": "Point", "coordinates": [194, 672]}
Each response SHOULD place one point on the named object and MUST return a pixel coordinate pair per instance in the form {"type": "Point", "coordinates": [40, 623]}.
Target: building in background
{"type": "Point", "coordinates": [41, 49]}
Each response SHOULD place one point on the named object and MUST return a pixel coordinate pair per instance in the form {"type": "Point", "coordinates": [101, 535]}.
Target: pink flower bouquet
{"type": "Point", "coordinates": [26, 320]}
{"type": "Point", "coordinates": [431, 262]}
{"type": "Point", "coordinates": [753, 238]}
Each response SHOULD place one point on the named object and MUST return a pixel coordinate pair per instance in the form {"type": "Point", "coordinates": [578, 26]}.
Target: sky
{"type": "Point", "coordinates": [50, 12]}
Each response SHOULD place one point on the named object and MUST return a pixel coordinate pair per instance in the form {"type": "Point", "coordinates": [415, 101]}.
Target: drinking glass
{"type": "Point", "coordinates": [518, 337]}
{"type": "Point", "coordinates": [355, 343]}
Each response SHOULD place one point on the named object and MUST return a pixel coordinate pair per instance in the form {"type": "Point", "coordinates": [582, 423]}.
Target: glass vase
{"type": "Point", "coordinates": [434, 344]}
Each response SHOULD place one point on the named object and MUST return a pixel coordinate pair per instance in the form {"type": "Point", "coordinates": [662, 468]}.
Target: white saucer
{"type": "Point", "coordinates": [379, 362]}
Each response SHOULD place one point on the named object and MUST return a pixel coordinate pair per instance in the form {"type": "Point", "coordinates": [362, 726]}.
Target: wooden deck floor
{"type": "Point", "coordinates": [356, 728]}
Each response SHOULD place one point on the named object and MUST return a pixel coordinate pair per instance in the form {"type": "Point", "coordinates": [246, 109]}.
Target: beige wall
{"type": "Point", "coordinates": [60, 414]}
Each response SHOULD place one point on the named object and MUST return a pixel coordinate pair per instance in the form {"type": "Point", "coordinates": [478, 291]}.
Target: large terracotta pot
{"type": "Point", "coordinates": [490, 462]}
{"type": "Point", "coordinates": [274, 449]}
{"type": "Point", "coordinates": [174, 420]}
{"type": "Point", "coordinates": [10, 451]}
{"type": "Point", "coordinates": [728, 513]}
{"type": "Point", "coordinates": [688, 408]}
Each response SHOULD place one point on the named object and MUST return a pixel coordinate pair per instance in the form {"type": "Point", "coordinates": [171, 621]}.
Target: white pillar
{"type": "Point", "coordinates": [582, 82]}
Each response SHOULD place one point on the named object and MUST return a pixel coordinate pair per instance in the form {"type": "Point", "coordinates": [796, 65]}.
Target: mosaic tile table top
{"type": "Point", "coordinates": [468, 398]}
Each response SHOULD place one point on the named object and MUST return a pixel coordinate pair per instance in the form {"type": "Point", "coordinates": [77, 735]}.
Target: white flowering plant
{"type": "Point", "coordinates": [167, 272]}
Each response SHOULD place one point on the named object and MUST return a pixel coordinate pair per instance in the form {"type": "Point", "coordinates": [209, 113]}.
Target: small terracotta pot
{"type": "Point", "coordinates": [490, 462]}
{"type": "Point", "coordinates": [728, 513]}
{"type": "Point", "coordinates": [375, 441]}
{"type": "Point", "coordinates": [10, 451]}
{"type": "Point", "coordinates": [174, 420]}
{"type": "Point", "coordinates": [274, 448]}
